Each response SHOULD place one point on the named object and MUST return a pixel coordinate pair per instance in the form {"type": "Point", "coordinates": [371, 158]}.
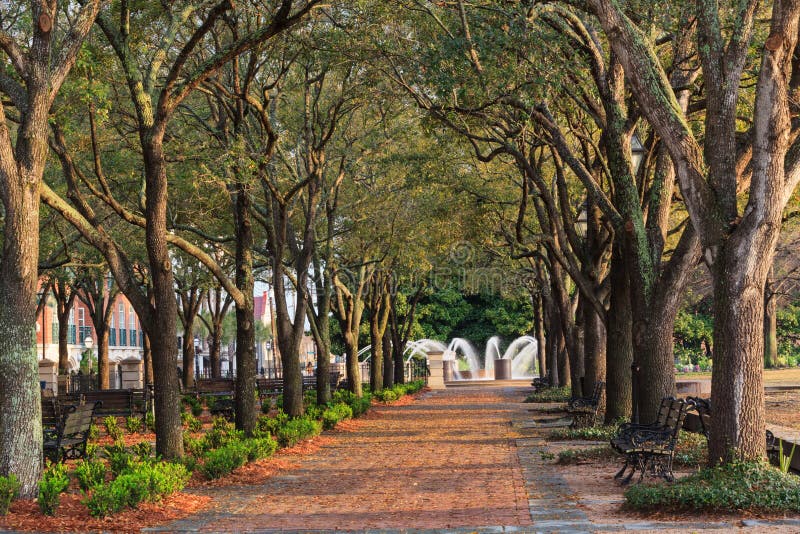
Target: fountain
{"type": "Point", "coordinates": [519, 359]}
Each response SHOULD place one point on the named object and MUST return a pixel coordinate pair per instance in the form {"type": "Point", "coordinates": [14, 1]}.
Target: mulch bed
{"type": "Point", "coordinates": [72, 515]}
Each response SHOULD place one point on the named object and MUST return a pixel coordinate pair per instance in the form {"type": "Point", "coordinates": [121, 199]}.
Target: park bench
{"type": "Point", "coordinates": [118, 402]}
{"type": "Point", "coordinates": [215, 387]}
{"type": "Point", "coordinates": [540, 382]}
{"type": "Point", "coordinates": [702, 408]}
{"type": "Point", "coordinates": [268, 387]}
{"type": "Point", "coordinates": [584, 409]}
{"type": "Point", "coordinates": [222, 388]}
{"type": "Point", "coordinates": [68, 439]}
{"type": "Point", "coordinates": [650, 448]}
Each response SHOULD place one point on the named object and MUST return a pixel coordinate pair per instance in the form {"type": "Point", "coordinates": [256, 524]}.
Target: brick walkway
{"type": "Point", "coordinates": [446, 461]}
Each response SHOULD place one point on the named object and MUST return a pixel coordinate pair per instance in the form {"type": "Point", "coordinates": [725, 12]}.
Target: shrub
{"type": "Point", "coordinates": [261, 447]}
{"type": "Point", "coordinates": [691, 450]}
{"type": "Point", "coordinates": [112, 427]}
{"type": "Point", "coordinates": [221, 433]}
{"type": "Point", "coordinates": [143, 482]}
{"type": "Point", "coordinates": [219, 462]}
{"type": "Point", "coordinates": [133, 424]}
{"type": "Point", "coordinates": [550, 395]}
{"type": "Point", "coordinates": [358, 405]}
{"type": "Point", "coordinates": [387, 395]}
{"type": "Point", "coordinates": [54, 481]}
{"type": "Point", "coordinates": [94, 432]}
{"type": "Point", "coordinates": [195, 406]}
{"type": "Point", "coordinates": [119, 459]}
{"type": "Point", "coordinates": [334, 414]}
{"type": "Point", "coordinates": [271, 425]}
{"type": "Point", "coordinates": [150, 421]}
{"type": "Point", "coordinates": [194, 446]}
{"type": "Point", "coordinates": [734, 487]}
{"type": "Point", "coordinates": [9, 489]}
{"type": "Point", "coordinates": [191, 422]}
{"type": "Point", "coordinates": [296, 430]}
{"type": "Point", "coordinates": [143, 449]}
{"type": "Point", "coordinates": [90, 473]}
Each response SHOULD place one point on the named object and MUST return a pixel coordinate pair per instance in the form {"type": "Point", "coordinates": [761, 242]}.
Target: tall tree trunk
{"type": "Point", "coordinates": [187, 349]}
{"type": "Point", "coordinates": [552, 339]}
{"type": "Point", "coordinates": [388, 364]}
{"type": "Point", "coordinates": [246, 406]}
{"type": "Point", "coordinates": [399, 362]}
{"type": "Point", "coordinates": [594, 347]}
{"type": "Point", "coordinates": [20, 397]}
{"type": "Point", "coordinates": [619, 342]}
{"type": "Point", "coordinates": [102, 358]}
{"type": "Point", "coordinates": [376, 362]}
{"type": "Point", "coordinates": [352, 367]}
{"type": "Point", "coordinates": [63, 348]}
{"type": "Point", "coordinates": [162, 327]}
{"type": "Point", "coordinates": [538, 327]}
{"type": "Point", "coordinates": [147, 354]}
{"type": "Point", "coordinates": [771, 359]}
{"type": "Point", "coordinates": [214, 348]}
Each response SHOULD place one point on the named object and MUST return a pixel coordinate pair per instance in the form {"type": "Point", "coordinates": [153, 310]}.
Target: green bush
{"type": "Point", "coordinates": [334, 414]}
{"type": "Point", "coordinates": [194, 405]}
{"type": "Point", "coordinates": [734, 487]}
{"type": "Point", "coordinates": [262, 447]}
{"type": "Point", "coordinates": [194, 446]}
{"type": "Point", "coordinates": [191, 422]}
{"type": "Point", "coordinates": [358, 405]}
{"type": "Point", "coordinates": [550, 395]}
{"type": "Point", "coordinates": [119, 459]}
{"type": "Point", "coordinates": [54, 481]}
{"type": "Point", "coordinates": [150, 481]}
{"type": "Point", "coordinates": [221, 433]}
{"type": "Point", "coordinates": [219, 462]}
{"type": "Point", "coordinates": [9, 489]}
{"type": "Point", "coordinates": [90, 473]}
{"type": "Point", "coordinates": [143, 449]}
{"type": "Point", "coordinates": [112, 428]}
{"type": "Point", "coordinates": [296, 430]}
{"type": "Point", "coordinates": [271, 425]}
{"type": "Point", "coordinates": [150, 421]}
{"type": "Point", "coordinates": [133, 424]}
{"type": "Point", "coordinates": [387, 395]}
{"type": "Point", "coordinates": [94, 432]}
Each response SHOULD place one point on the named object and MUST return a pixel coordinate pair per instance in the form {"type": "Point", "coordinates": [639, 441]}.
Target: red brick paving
{"type": "Point", "coordinates": [447, 460]}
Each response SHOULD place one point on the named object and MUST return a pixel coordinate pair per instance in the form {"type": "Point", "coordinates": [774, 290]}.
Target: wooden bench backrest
{"type": "Point", "coordinates": [112, 399]}
{"type": "Point", "coordinates": [675, 416]}
{"type": "Point", "coordinates": [215, 385]}
{"type": "Point", "coordinates": [79, 420]}
{"type": "Point", "coordinates": [51, 414]}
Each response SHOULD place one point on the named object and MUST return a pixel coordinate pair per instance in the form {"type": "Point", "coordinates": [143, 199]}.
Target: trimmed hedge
{"type": "Point", "coordinates": [142, 482]}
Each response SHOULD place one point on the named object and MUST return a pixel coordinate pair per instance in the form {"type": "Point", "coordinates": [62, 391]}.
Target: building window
{"type": "Point", "coordinates": [132, 327]}
{"type": "Point", "coordinates": [121, 323]}
{"type": "Point", "coordinates": [112, 333]}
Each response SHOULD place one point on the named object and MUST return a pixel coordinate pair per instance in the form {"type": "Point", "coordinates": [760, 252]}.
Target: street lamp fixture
{"type": "Point", "coordinates": [638, 153]}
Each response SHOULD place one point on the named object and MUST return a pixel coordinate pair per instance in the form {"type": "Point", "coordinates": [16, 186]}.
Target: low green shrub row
{"type": "Point", "coordinates": [54, 481]}
{"type": "Point", "coordinates": [338, 412]}
{"type": "Point", "coordinates": [296, 430]}
{"type": "Point", "coordinates": [141, 482]}
{"type": "Point", "coordinates": [9, 489]}
{"type": "Point", "coordinates": [398, 390]}
{"type": "Point", "coordinates": [358, 405]}
{"type": "Point", "coordinates": [734, 487]}
{"type": "Point", "coordinates": [550, 395]}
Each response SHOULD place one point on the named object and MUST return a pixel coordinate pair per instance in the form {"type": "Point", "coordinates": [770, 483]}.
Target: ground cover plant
{"type": "Point", "coordinates": [734, 487]}
{"type": "Point", "coordinates": [561, 394]}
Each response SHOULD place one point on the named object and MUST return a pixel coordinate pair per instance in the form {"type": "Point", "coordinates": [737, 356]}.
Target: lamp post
{"type": "Point", "coordinates": [638, 153]}
{"type": "Point", "coordinates": [197, 351]}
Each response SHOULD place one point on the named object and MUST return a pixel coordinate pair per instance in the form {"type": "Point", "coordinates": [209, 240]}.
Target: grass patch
{"type": "Point", "coordinates": [591, 433]}
{"type": "Point", "coordinates": [735, 487]}
{"type": "Point", "coordinates": [580, 456]}
{"type": "Point", "coordinates": [550, 395]}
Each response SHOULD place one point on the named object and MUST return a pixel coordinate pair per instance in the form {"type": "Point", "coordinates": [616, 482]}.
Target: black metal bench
{"type": "Point", "coordinates": [584, 409]}
{"type": "Point", "coordinates": [650, 448]}
{"type": "Point", "coordinates": [540, 382]}
{"type": "Point", "coordinates": [215, 387]}
{"type": "Point", "coordinates": [68, 439]}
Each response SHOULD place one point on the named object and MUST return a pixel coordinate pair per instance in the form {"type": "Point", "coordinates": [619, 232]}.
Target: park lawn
{"type": "Point", "coordinates": [790, 375]}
